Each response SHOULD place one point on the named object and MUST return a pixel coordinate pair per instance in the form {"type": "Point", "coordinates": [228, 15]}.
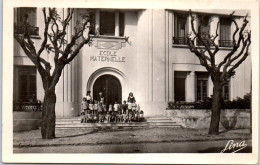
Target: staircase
{"type": "Point", "coordinates": [74, 122]}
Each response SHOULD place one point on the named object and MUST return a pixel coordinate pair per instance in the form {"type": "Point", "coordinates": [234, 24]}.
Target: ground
{"type": "Point", "coordinates": [126, 139]}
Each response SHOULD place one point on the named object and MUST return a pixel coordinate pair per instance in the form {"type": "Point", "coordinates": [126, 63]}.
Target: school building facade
{"type": "Point", "coordinates": [143, 51]}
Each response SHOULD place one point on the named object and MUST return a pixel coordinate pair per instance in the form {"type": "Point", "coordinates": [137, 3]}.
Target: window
{"type": "Point", "coordinates": [180, 29]}
{"type": "Point", "coordinates": [107, 23]}
{"type": "Point", "coordinates": [110, 23]}
{"type": "Point", "coordinates": [204, 29]}
{"type": "Point", "coordinates": [179, 85]}
{"type": "Point", "coordinates": [225, 91]}
{"type": "Point", "coordinates": [225, 30]}
{"type": "Point", "coordinates": [25, 83]}
{"type": "Point", "coordinates": [29, 15]}
{"type": "Point", "coordinates": [202, 85]}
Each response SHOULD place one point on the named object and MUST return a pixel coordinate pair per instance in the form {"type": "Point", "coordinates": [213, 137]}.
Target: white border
{"type": "Point", "coordinates": [7, 124]}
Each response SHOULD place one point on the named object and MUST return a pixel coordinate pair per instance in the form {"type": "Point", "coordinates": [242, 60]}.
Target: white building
{"type": "Point", "coordinates": [142, 51]}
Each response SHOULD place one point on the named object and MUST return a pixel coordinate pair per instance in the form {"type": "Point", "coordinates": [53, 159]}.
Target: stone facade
{"type": "Point", "coordinates": [144, 60]}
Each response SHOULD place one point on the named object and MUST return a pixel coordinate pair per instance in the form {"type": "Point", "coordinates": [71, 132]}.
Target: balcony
{"type": "Point", "coordinates": [180, 40]}
{"type": "Point", "coordinates": [226, 43]}
{"type": "Point", "coordinates": [32, 30]}
{"type": "Point", "coordinates": [200, 43]}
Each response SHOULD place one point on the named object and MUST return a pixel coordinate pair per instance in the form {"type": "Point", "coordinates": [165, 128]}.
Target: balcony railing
{"type": "Point", "coordinates": [225, 43]}
{"type": "Point", "coordinates": [32, 30]}
{"type": "Point", "coordinates": [27, 106]}
{"type": "Point", "coordinates": [207, 42]}
{"type": "Point", "coordinates": [180, 40]}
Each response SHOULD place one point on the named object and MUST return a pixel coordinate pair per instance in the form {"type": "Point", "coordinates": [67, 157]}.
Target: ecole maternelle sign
{"type": "Point", "coordinates": [107, 56]}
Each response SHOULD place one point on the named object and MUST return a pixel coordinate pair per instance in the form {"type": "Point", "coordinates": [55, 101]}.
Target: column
{"type": "Point", "coordinates": [213, 27]}
{"type": "Point", "coordinates": [117, 23]}
{"type": "Point", "coordinates": [210, 87]}
{"type": "Point", "coordinates": [97, 20]}
{"type": "Point", "coordinates": [70, 104]}
{"type": "Point", "coordinates": [195, 25]}
{"type": "Point", "coordinates": [190, 87]}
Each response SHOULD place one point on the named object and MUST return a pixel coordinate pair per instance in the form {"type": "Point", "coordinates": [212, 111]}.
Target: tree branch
{"type": "Point", "coordinates": [47, 22]}
{"type": "Point", "coordinates": [236, 44]}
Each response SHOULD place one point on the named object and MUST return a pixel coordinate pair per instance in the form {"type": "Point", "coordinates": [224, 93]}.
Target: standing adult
{"type": "Point", "coordinates": [101, 98]}
{"type": "Point", "coordinates": [131, 98]}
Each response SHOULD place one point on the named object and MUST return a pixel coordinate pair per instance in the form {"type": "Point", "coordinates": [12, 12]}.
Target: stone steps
{"type": "Point", "coordinates": [74, 122]}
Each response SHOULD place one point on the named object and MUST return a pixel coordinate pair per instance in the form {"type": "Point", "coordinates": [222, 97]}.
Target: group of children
{"type": "Point", "coordinates": [96, 111]}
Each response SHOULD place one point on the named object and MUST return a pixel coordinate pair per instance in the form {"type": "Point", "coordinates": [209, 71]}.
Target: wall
{"type": "Point", "coordinates": [25, 121]}
{"type": "Point", "coordinates": [148, 68]}
{"type": "Point", "coordinates": [196, 118]}
{"type": "Point", "coordinates": [181, 59]}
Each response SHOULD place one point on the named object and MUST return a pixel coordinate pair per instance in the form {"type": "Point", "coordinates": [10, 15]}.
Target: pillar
{"type": "Point", "coordinates": [190, 87]}
{"type": "Point", "coordinates": [117, 23]}
{"type": "Point", "coordinates": [97, 20]}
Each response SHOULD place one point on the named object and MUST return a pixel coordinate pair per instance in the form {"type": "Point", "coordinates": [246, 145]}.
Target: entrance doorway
{"type": "Point", "coordinates": [110, 87]}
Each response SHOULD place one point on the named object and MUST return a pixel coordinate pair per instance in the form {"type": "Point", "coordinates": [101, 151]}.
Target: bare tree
{"type": "Point", "coordinates": [63, 51]}
{"type": "Point", "coordinates": [222, 71]}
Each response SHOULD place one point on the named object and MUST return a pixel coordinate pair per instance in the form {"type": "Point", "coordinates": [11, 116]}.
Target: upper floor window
{"type": "Point", "coordinates": [26, 15]}
{"type": "Point", "coordinates": [225, 33]}
{"type": "Point", "coordinates": [204, 31]}
{"type": "Point", "coordinates": [109, 23]}
{"type": "Point", "coordinates": [180, 29]}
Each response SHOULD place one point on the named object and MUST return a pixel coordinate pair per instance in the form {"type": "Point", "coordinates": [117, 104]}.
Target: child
{"type": "Point", "coordinates": [88, 117]}
{"type": "Point", "coordinates": [108, 117]}
{"type": "Point", "coordinates": [95, 105]}
{"type": "Point", "coordinates": [113, 116]}
{"type": "Point", "coordinates": [82, 114]}
{"type": "Point", "coordinates": [104, 107]}
{"type": "Point", "coordinates": [141, 115]}
{"type": "Point", "coordinates": [138, 108]}
{"type": "Point", "coordinates": [84, 104]}
{"type": "Point", "coordinates": [129, 117]}
{"type": "Point", "coordinates": [91, 107]}
{"type": "Point", "coordinates": [137, 116]}
{"type": "Point", "coordinates": [125, 117]}
{"type": "Point", "coordinates": [119, 116]}
{"type": "Point", "coordinates": [129, 107]}
{"type": "Point", "coordinates": [95, 117]}
{"type": "Point", "coordinates": [100, 108]}
{"type": "Point", "coordinates": [124, 106]}
{"type": "Point", "coordinates": [88, 97]}
{"type": "Point", "coordinates": [133, 107]}
{"type": "Point", "coordinates": [101, 117]}
{"type": "Point", "coordinates": [110, 107]}
{"type": "Point", "coordinates": [116, 107]}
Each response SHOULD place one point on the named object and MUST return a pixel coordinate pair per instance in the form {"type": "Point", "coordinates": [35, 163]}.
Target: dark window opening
{"type": "Point", "coordinates": [25, 83]}
{"type": "Point", "coordinates": [107, 23]}
{"type": "Point", "coordinates": [180, 29]}
{"type": "Point", "coordinates": [179, 86]}
{"type": "Point", "coordinates": [26, 15]}
{"type": "Point", "coordinates": [225, 92]}
{"type": "Point", "coordinates": [121, 24]}
{"type": "Point", "coordinates": [202, 86]}
{"type": "Point", "coordinates": [204, 31]}
{"type": "Point", "coordinates": [225, 33]}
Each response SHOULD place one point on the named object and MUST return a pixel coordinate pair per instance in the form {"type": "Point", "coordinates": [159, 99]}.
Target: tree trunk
{"type": "Point", "coordinates": [48, 115]}
{"type": "Point", "coordinates": [215, 109]}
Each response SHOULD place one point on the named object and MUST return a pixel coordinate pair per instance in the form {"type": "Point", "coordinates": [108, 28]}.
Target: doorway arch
{"type": "Point", "coordinates": [120, 76]}
{"type": "Point", "coordinates": [111, 88]}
